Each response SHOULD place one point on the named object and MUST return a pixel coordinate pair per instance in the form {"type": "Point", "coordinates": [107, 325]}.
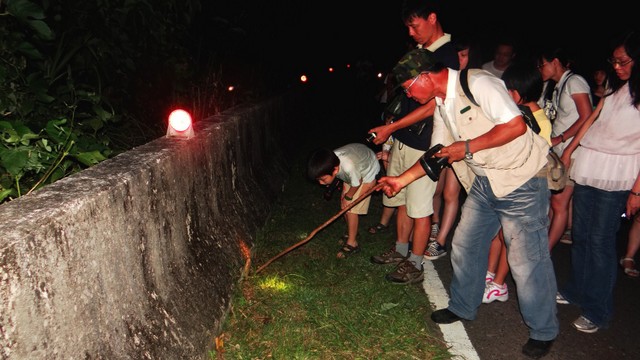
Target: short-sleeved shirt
{"type": "Point", "coordinates": [567, 112]}
{"type": "Point", "coordinates": [358, 164]}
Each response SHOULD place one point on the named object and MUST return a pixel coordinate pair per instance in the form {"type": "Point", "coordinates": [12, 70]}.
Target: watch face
{"type": "Point", "coordinates": [468, 156]}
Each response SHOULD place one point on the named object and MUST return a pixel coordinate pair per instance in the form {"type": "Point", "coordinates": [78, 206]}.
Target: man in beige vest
{"type": "Point", "coordinates": [501, 163]}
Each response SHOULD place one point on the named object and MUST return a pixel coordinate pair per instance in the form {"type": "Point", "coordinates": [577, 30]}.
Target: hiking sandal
{"type": "Point", "coordinates": [380, 228]}
{"type": "Point", "coordinates": [347, 250]}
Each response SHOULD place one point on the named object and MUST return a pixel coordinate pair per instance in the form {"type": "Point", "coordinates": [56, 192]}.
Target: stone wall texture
{"type": "Point", "coordinates": [137, 257]}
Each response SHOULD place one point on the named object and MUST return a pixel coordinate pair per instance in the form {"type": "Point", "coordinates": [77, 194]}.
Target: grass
{"type": "Point", "coordinates": [310, 305]}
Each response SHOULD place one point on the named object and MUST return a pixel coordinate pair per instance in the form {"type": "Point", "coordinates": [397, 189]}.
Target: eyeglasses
{"type": "Point", "coordinates": [406, 90]}
{"type": "Point", "coordinates": [620, 63]}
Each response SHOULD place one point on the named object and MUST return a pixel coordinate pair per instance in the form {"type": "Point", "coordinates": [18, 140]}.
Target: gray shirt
{"type": "Point", "coordinates": [358, 164]}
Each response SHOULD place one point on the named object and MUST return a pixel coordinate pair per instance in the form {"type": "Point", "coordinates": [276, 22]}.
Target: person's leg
{"type": "Point", "coordinates": [385, 219]}
{"type": "Point", "coordinates": [420, 208]}
{"type": "Point", "coordinates": [524, 219]}
{"type": "Point", "coordinates": [352, 228]}
{"type": "Point", "coordinates": [470, 250]}
{"type": "Point", "coordinates": [352, 218]}
{"type": "Point", "coordinates": [593, 276]}
{"type": "Point", "coordinates": [451, 195]}
{"type": "Point", "coordinates": [438, 199]}
{"type": "Point", "coordinates": [404, 225]}
{"type": "Point", "coordinates": [420, 236]}
{"type": "Point", "coordinates": [560, 214]}
{"type": "Point", "coordinates": [496, 288]}
{"type": "Point", "coordinates": [628, 262]}
{"type": "Point", "coordinates": [503, 265]}
{"type": "Point", "coordinates": [494, 254]}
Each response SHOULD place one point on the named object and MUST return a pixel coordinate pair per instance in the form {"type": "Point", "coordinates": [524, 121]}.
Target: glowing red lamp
{"type": "Point", "coordinates": [180, 124]}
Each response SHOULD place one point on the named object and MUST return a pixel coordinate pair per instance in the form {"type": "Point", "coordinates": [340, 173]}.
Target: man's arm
{"type": "Point", "coordinates": [384, 131]}
{"type": "Point", "coordinates": [497, 136]}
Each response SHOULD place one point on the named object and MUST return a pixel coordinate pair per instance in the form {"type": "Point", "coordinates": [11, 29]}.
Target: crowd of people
{"type": "Point", "coordinates": [496, 122]}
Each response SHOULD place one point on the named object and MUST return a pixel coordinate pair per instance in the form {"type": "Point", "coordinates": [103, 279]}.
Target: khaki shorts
{"type": "Point", "coordinates": [362, 208]}
{"type": "Point", "coordinates": [417, 196]}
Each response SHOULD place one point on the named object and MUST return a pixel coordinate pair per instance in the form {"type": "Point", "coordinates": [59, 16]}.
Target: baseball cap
{"type": "Point", "coordinates": [413, 63]}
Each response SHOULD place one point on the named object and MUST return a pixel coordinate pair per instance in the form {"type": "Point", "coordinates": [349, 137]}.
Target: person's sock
{"type": "Point", "coordinates": [417, 260]}
{"type": "Point", "coordinates": [402, 248]}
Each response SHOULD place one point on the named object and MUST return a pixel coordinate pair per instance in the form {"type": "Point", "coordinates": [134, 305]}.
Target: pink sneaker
{"type": "Point", "coordinates": [493, 292]}
{"type": "Point", "coordinates": [489, 277]}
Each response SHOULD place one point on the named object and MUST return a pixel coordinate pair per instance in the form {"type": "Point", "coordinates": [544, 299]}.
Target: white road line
{"type": "Point", "coordinates": [454, 334]}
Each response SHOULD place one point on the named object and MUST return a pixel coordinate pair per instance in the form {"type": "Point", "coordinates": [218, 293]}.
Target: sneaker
{"type": "Point", "coordinates": [489, 277]}
{"type": "Point", "coordinates": [390, 256]}
{"type": "Point", "coordinates": [435, 229]}
{"type": "Point", "coordinates": [585, 325]}
{"type": "Point", "coordinates": [434, 251]}
{"type": "Point", "coordinates": [561, 300]}
{"type": "Point", "coordinates": [493, 292]}
{"type": "Point", "coordinates": [566, 237]}
{"type": "Point", "coordinates": [536, 348]}
{"type": "Point", "coordinates": [406, 273]}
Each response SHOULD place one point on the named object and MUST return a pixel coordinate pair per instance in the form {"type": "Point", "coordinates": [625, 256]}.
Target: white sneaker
{"type": "Point", "coordinates": [493, 292]}
{"type": "Point", "coordinates": [489, 277]}
{"type": "Point", "coordinates": [585, 325]}
{"type": "Point", "coordinates": [435, 229]}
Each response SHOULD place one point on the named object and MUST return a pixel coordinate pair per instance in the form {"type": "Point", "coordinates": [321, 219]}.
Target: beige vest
{"type": "Point", "coordinates": [508, 166]}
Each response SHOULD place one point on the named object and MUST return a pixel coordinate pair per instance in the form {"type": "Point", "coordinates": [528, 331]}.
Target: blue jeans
{"type": "Point", "coordinates": [523, 216]}
{"type": "Point", "coordinates": [596, 221]}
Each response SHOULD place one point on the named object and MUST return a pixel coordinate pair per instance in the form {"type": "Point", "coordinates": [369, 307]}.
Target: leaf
{"type": "Point", "coordinates": [388, 306]}
{"type": "Point", "coordinates": [26, 12]}
{"type": "Point", "coordinates": [90, 158]}
{"type": "Point", "coordinates": [7, 192]}
{"type": "Point", "coordinates": [14, 160]}
{"type": "Point", "coordinates": [7, 133]}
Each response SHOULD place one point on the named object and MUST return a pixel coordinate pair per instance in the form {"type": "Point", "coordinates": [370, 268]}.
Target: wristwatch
{"type": "Point", "coordinates": [467, 154]}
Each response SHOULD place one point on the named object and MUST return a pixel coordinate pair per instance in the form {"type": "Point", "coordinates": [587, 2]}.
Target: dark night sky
{"type": "Point", "coordinates": [305, 34]}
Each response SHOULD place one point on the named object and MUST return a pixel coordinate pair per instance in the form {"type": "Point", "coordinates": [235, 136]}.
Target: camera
{"type": "Point", "coordinates": [371, 136]}
{"type": "Point", "coordinates": [331, 188]}
{"type": "Point", "coordinates": [433, 165]}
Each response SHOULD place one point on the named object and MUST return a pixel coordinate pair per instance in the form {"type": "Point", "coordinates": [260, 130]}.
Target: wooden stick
{"type": "Point", "coordinates": [314, 232]}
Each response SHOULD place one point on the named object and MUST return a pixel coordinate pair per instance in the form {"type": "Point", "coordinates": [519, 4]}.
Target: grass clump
{"type": "Point", "coordinates": [310, 305]}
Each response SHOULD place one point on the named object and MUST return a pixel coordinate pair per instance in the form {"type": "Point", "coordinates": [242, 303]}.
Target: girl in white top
{"type": "Point", "coordinates": [568, 105]}
{"type": "Point", "coordinates": [607, 183]}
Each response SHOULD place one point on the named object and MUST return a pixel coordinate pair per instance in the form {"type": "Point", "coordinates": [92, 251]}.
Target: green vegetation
{"type": "Point", "coordinates": [81, 81]}
{"type": "Point", "coordinates": [310, 305]}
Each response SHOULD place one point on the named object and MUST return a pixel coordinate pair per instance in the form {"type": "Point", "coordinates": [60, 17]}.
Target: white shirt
{"type": "Point", "coordinates": [357, 163]}
{"type": "Point", "coordinates": [489, 92]}
{"type": "Point", "coordinates": [492, 69]}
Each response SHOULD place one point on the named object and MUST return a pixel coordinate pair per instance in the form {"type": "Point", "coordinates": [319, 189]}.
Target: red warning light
{"type": "Point", "coordinates": [304, 78]}
{"type": "Point", "coordinates": [180, 124]}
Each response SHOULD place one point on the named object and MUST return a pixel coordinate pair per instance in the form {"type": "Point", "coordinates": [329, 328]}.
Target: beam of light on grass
{"type": "Point", "coordinates": [274, 283]}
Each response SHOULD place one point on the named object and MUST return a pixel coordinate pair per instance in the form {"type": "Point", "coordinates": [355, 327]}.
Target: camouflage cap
{"type": "Point", "coordinates": [413, 63]}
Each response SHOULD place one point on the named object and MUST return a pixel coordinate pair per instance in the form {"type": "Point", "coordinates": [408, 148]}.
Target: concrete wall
{"type": "Point", "coordinates": [136, 258]}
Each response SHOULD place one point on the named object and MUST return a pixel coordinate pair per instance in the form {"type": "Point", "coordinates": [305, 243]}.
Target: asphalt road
{"type": "Point", "coordinates": [499, 332]}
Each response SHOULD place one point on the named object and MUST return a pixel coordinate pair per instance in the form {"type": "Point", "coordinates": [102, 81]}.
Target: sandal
{"type": "Point", "coordinates": [380, 228]}
{"type": "Point", "coordinates": [343, 239]}
{"type": "Point", "coordinates": [348, 250]}
{"type": "Point", "coordinates": [630, 271]}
